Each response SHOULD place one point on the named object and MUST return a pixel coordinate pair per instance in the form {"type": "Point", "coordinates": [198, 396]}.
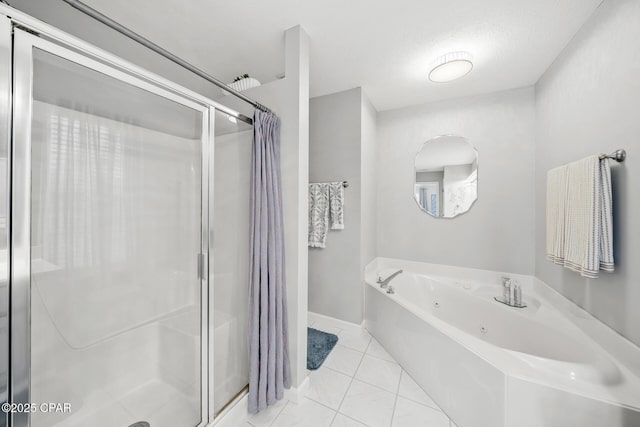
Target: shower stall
{"type": "Point", "coordinates": [117, 304]}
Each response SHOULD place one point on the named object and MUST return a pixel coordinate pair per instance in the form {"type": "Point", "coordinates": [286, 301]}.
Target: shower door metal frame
{"type": "Point", "coordinates": [5, 137]}
{"type": "Point", "coordinates": [74, 50]}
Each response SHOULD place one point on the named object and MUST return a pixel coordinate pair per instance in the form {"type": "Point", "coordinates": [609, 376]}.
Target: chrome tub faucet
{"type": "Point", "coordinates": [511, 293]}
{"type": "Point", "coordinates": [384, 283]}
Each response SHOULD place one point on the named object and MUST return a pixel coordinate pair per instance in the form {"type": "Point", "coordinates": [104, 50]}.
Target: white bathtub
{"type": "Point", "coordinates": [490, 365]}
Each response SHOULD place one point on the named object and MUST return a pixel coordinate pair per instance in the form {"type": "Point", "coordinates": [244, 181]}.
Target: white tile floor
{"type": "Point", "coordinates": [359, 385]}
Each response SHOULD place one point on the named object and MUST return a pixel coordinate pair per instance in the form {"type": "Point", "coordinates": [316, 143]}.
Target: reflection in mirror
{"type": "Point", "coordinates": [446, 176]}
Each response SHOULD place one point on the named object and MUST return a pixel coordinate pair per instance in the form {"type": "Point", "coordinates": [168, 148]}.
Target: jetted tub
{"type": "Point", "coordinates": [490, 365]}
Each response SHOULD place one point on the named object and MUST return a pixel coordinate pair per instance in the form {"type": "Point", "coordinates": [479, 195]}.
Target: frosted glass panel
{"type": "Point", "coordinates": [115, 233]}
{"type": "Point", "coordinates": [231, 258]}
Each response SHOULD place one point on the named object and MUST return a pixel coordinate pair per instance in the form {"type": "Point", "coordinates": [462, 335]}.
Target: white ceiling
{"type": "Point", "coordinates": [384, 46]}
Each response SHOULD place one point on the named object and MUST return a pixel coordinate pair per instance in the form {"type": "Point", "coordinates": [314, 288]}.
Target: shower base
{"type": "Point", "coordinates": [156, 402]}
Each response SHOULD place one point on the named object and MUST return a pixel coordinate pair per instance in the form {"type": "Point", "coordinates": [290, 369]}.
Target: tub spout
{"type": "Point", "coordinates": [385, 282]}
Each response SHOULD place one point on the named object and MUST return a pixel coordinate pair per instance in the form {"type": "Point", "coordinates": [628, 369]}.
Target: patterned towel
{"type": "Point", "coordinates": [579, 216]}
{"type": "Point", "coordinates": [326, 203]}
{"type": "Point", "coordinates": [336, 198]}
{"type": "Point", "coordinates": [318, 214]}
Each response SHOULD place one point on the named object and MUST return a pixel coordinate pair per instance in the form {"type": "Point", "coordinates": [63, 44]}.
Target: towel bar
{"type": "Point", "coordinates": [345, 184]}
{"type": "Point", "coordinates": [618, 155]}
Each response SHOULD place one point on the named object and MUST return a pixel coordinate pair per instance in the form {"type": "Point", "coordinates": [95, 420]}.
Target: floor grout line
{"type": "Point", "coordinates": [322, 404]}
{"type": "Point", "coordinates": [351, 418]}
{"type": "Point", "coordinates": [436, 408]}
{"type": "Point", "coordinates": [274, 418]}
{"type": "Point", "coordinates": [420, 403]}
{"type": "Point", "coordinates": [412, 399]}
{"type": "Point", "coordinates": [384, 360]}
{"type": "Point", "coordinates": [334, 370]}
{"type": "Point", "coordinates": [280, 412]}
{"type": "Point", "coordinates": [395, 403]}
{"type": "Point", "coordinates": [344, 346]}
{"type": "Point", "coordinates": [350, 383]}
{"type": "Point", "coordinates": [375, 386]}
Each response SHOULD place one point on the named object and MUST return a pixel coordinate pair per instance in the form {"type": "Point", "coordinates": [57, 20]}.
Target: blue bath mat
{"type": "Point", "coordinates": [319, 345]}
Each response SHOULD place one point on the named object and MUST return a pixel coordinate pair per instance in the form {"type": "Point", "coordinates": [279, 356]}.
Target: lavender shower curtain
{"type": "Point", "coordinates": [268, 331]}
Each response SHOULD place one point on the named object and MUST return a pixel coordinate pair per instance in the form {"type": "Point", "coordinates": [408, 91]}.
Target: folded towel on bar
{"type": "Point", "coordinates": [318, 214]}
{"type": "Point", "coordinates": [579, 216]}
{"type": "Point", "coordinates": [336, 198]}
{"type": "Point", "coordinates": [326, 208]}
{"type": "Point", "coordinates": [556, 210]}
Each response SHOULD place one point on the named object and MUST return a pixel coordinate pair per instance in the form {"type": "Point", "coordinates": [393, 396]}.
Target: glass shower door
{"type": "Point", "coordinates": [230, 259]}
{"type": "Point", "coordinates": [108, 241]}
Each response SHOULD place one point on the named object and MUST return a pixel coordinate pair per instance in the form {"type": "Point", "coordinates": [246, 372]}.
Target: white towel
{"type": "Point", "coordinates": [556, 211]}
{"type": "Point", "coordinates": [606, 218]}
{"type": "Point", "coordinates": [336, 198]}
{"type": "Point", "coordinates": [318, 214]}
{"type": "Point", "coordinates": [579, 225]}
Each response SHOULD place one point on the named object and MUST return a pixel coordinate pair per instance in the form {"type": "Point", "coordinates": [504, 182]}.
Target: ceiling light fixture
{"type": "Point", "coordinates": [451, 66]}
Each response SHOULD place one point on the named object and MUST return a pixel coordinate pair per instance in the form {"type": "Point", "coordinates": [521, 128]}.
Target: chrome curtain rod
{"type": "Point", "coordinates": [98, 16]}
{"type": "Point", "coordinates": [618, 155]}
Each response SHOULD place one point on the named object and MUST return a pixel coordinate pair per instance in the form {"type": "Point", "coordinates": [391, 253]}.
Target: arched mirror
{"type": "Point", "coordinates": [446, 176]}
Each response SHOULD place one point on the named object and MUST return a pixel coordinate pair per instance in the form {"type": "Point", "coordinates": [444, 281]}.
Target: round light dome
{"type": "Point", "coordinates": [451, 66]}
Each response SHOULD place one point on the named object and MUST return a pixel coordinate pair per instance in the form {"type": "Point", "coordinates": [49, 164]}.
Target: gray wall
{"type": "Point", "coordinates": [342, 146]}
{"type": "Point", "coordinates": [589, 102]}
{"type": "Point", "coordinates": [369, 153]}
{"type": "Point", "coordinates": [498, 232]}
{"type": "Point", "coordinates": [334, 154]}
